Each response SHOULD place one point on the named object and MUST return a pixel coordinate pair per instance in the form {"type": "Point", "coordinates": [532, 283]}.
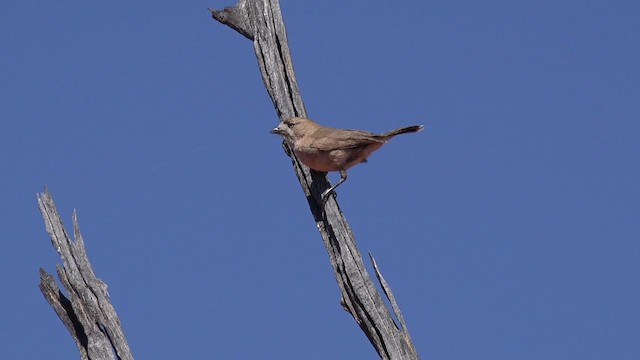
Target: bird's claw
{"type": "Point", "coordinates": [325, 195]}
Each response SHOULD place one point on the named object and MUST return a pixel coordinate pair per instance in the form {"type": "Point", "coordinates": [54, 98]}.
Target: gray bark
{"type": "Point", "coordinates": [261, 22]}
{"type": "Point", "coordinates": [88, 315]}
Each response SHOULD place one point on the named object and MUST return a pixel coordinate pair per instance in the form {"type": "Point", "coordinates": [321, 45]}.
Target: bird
{"type": "Point", "coordinates": [329, 149]}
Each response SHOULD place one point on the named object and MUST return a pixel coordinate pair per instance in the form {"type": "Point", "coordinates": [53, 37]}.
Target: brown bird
{"type": "Point", "coordinates": [328, 149]}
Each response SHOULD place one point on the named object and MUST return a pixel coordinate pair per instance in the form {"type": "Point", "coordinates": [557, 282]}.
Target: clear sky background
{"type": "Point", "coordinates": [508, 229]}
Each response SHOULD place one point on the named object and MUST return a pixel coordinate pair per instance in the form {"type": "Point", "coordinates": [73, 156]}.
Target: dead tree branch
{"type": "Point", "coordinates": [89, 316]}
{"type": "Point", "coordinates": [261, 21]}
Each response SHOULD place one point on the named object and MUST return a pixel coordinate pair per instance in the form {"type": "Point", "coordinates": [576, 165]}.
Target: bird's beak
{"type": "Point", "coordinates": [276, 131]}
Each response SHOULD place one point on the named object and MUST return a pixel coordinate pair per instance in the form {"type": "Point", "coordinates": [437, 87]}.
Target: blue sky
{"type": "Point", "coordinates": [508, 228]}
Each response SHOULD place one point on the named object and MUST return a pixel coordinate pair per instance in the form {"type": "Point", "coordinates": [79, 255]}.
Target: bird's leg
{"type": "Point", "coordinates": [326, 193]}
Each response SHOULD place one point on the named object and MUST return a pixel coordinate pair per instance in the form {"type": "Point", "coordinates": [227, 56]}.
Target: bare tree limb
{"type": "Point", "coordinates": [261, 21]}
{"type": "Point", "coordinates": [89, 316]}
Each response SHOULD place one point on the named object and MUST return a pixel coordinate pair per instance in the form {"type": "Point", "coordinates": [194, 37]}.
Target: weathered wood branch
{"type": "Point", "coordinates": [261, 21]}
{"type": "Point", "coordinates": [89, 316]}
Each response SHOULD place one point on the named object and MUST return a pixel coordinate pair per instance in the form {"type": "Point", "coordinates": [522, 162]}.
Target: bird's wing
{"type": "Point", "coordinates": [329, 139]}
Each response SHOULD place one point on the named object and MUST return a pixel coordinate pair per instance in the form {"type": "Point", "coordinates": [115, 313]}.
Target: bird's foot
{"type": "Point", "coordinates": [326, 194]}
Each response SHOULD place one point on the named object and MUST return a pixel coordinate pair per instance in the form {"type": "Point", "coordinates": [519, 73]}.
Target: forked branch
{"type": "Point", "coordinates": [87, 313]}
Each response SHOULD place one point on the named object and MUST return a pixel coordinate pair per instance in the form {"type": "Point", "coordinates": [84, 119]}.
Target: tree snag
{"type": "Point", "coordinates": [89, 316]}
{"type": "Point", "coordinates": [261, 21]}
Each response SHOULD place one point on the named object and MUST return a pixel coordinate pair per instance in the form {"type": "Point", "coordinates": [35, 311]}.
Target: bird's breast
{"type": "Point", "coordinates": [317, 160]}
{"type": "Point", "coordinates": [334, 160]}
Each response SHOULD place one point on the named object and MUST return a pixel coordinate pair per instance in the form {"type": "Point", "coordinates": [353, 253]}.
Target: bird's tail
{"type": "Point", "coordinates": [403, 130]}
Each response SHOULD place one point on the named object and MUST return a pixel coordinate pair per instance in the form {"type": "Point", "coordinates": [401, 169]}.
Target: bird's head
{"type": "Point", "coordinates": [295, 128]}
